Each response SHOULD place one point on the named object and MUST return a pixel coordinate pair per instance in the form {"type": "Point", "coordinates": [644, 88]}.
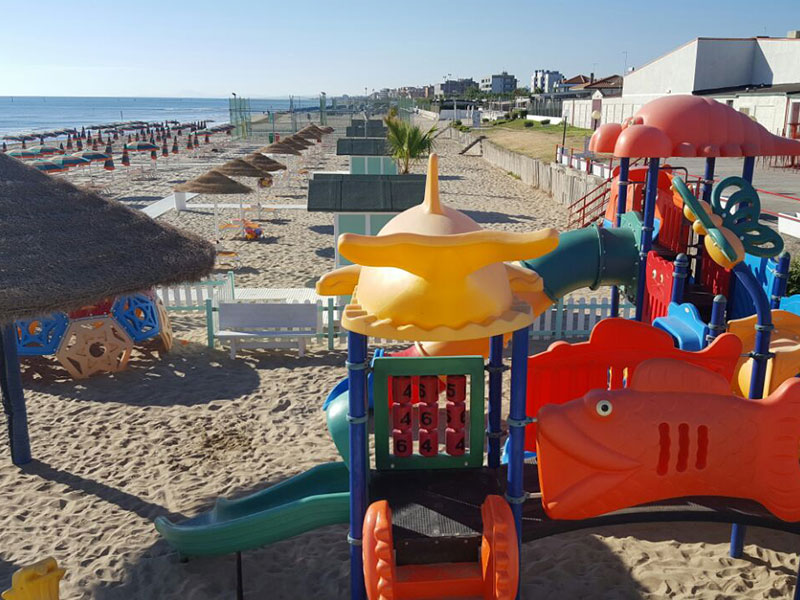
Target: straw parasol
{"type": "Point", "coordinates": [265, 163]}
{"type": "Point", "coordinates": [68, 248]}
{"type": "Point", "coordinates": [296, 143]}
{"type": "Point", "coordinates": [279, 148]}
{"type": "Point", "coordinates": [241, 168]}
{"type": "Point", "coordinates": [213, 183]}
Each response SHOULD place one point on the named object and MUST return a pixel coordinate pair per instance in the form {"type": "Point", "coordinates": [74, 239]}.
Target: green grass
{"type": "Point", "coordinates": [519, 124]}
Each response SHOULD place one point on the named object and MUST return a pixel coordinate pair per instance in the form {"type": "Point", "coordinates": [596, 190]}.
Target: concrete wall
{"type": "Point", "coordinates": [776, 61]}
{"type": "Point", "coordinates": [723, 63]}
{"type": "Point", "coordinates": [673, 73]}
{"type": "Point", "coordinates": [769, 111]}
{"type": "Point", "coordinates": [565, 185]}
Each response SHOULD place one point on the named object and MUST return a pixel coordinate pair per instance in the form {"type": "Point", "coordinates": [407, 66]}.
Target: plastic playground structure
{"type": "Point", "coordinates": [664, 421]}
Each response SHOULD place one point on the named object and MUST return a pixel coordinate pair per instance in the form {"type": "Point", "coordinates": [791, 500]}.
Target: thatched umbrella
{"type": "Point", "coordinates": [265, 163]}
{"type": "Point", "coordinates": [66, 248]}
{"type": "Point", "coordinates": [297, 143]}
{"type": "Point", "coordinates": [279, 148]}
{"type": "Point", "coordinates": [213, 183]}
{"type": "Point", "coordinates": [241, 168]}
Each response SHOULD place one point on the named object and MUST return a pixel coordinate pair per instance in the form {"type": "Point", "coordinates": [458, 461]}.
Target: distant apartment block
{"type": "Point", "coordinates": [545, 81]}
{"type": "Point", "coordinates": [499, 84]}
{"type": "Point", "coordinates": [454, 87]}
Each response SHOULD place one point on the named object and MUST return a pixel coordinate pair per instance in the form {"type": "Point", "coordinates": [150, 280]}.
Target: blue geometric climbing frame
{"type": "Point", "coordinates": [137, 315]}
{"type": "Point", "coordinates": [40, 336]}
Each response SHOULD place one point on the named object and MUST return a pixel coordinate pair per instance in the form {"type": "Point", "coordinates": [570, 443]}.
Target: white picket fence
{"type": "Point", "coordinates": [568, 318]}
{"type": "Point", "coordinates": [575, 318]}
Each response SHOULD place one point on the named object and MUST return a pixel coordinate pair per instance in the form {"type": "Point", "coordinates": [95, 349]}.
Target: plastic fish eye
{"type": "Point", "coordinates": [604, 408]}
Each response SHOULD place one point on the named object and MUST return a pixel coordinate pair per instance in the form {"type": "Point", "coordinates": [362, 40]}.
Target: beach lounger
{"type": "Point", "coordinates": [267, 325]}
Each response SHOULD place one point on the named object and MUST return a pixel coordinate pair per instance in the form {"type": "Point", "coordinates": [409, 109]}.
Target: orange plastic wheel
{"type": "Point", "coordinates": [378, 552]}
{"type": "Point", "coordinates": [499, 550]}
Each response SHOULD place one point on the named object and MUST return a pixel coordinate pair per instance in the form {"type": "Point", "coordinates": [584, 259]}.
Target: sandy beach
{"type": "Point", "coordinates": [175, 431]}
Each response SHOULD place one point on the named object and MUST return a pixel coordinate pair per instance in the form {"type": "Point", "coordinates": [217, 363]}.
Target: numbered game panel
{"type": "Point", "coordinates": [429, 412]}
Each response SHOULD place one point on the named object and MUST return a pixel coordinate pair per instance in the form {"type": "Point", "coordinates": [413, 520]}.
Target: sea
{"type": "Point", "coordinates": [30, 114]}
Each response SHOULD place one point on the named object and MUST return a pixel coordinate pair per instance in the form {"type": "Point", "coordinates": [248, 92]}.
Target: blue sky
{"type": "Point", "coordinates": [203, 48]}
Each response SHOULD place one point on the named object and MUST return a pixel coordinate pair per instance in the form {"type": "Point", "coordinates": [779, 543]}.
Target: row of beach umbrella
{"type": "Point", "coordinates": [255, 166]}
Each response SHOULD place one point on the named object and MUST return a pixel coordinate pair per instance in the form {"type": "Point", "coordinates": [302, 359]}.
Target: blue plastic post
{"type": "Point", "coordinates": [679, 273]}
{"type": "Point", "coordinates": [647, 233]}
{"type": "Point", "coordinates": [748, 168]}
{"type": "Point", "coordinates": [778, 290]}
{"type": "Point", "coordinates": [13, 397]}
{"type": "Point", "coordinates": [708, 179]}
{"type": "Point", "coordinates": [760, 358]}
{"type": "Point", "coordinates": [516, 428]}
{"type": "Point", "coordinates": [622, 205]}
{"type": "Point", "coordinates": [717, 324]}
{"type": "Point", "coordinates": [357, 416]}
{"type": "Point", "coordinates": [495, 398]}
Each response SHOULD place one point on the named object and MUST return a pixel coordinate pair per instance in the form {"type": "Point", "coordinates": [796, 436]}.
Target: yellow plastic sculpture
{"type": "Point", "coordinates": [785, 343]}
{"type": "Point", "coordinates": [432, 274]}
{"type": "Point", "coordinates": [38, 581]}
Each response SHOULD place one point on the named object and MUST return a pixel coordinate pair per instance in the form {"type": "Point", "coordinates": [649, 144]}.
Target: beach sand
{"type": "Point", "coordinates": [173, 432]}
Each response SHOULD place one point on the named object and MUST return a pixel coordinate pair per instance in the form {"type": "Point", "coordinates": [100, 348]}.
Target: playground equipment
{"type": "Point", "coordinates": [98, 338]}
{"type": "Point", "coordinates": [39, 581]}
{"type": "Point", "coordinates": [614, 449]}
{"type": "Point", "coordinates": [436, 519]}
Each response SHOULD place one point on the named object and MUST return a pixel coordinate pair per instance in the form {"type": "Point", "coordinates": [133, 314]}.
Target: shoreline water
{"type": "Point", "coordinates": [30, 114]}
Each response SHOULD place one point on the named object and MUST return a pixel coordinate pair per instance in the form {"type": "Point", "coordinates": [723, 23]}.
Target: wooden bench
{"type": "Point", "coordinates": [267, 325]}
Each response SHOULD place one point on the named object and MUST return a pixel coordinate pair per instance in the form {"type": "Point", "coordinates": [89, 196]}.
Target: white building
{"type": "Point", "coordinates": [759, 76]}
{"type": "Point", "coordinates": [499, 84]}
{"type": "Point", "coordinates": [545, 80]}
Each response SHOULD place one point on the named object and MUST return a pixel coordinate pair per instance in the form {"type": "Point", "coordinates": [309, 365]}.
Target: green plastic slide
{"type": "Point", "coordinates": [305, 502]}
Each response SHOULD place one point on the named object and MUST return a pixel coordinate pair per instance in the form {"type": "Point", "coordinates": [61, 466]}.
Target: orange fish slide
{"type": "Point", "coordinates": [675, 431]}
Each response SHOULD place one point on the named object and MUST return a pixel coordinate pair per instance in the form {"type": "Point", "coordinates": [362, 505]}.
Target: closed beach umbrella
{"type": "Point", "coordinates": [48, 166]}
{"type": "Point", "coordinates": [4, 147]}
{"type": "Point", "coordinates": [69, 142]}
{"type": "Point", "coordinates": [23, 144]}
{"type": "Point", "coordinates": [213, 183]}
{"type": "Point", "coordinates": [108, 165]}
{"type": "Point", "coordinates": [126, 159]}
{"type": "Point", "coordinates": [164, 149]}
{"type": "Point", "coordinates": [175, 145]}
{"type": "Point", "coordinates": [153, 155]}
{"type": "Point", "coordinates": [264, 163]}
{"type": "Point", "coordinates": [196, 141]}
{"type": "Point", "coordinates": [189, 145]}
{"type": "Point", "coordinates": [79, 144]}
{"type": "Point", "coordinates": [109, 149]}
{"type": "Point", "coordinates": [22, 154]}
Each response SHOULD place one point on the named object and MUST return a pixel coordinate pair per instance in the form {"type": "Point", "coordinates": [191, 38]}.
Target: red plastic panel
{"type": "Point", "coordinates": [658, 290]}
{"type": "Point", "coordinates": [607, 361]}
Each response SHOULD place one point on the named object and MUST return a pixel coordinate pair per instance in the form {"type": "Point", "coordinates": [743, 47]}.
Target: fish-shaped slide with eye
{"type": "Point", "coordinates": [675, 431]}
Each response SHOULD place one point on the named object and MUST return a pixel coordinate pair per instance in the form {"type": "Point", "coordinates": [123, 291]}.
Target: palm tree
{"type": "Point", "coordinates": [407, 142]}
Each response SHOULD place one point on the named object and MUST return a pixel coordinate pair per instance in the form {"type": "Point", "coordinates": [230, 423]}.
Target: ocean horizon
{"type": "Point", "coordinates": [23, 114]}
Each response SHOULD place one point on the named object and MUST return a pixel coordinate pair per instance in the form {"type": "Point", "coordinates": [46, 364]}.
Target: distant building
{"type": "Point", "coordinates": [428, 91]}
{"type": "Point", "coordinates": [544, 81]}
{"type": "Point", "coordinates": [499, 84]}
{"type": "Point", "coordinates": [409, 91]}
{"type": "Point", "coordinates": [567, 84]}
{"type": "Point", "coordinates": [759, 76]}
{"type": "Point", "coordinates": [454, 87]}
